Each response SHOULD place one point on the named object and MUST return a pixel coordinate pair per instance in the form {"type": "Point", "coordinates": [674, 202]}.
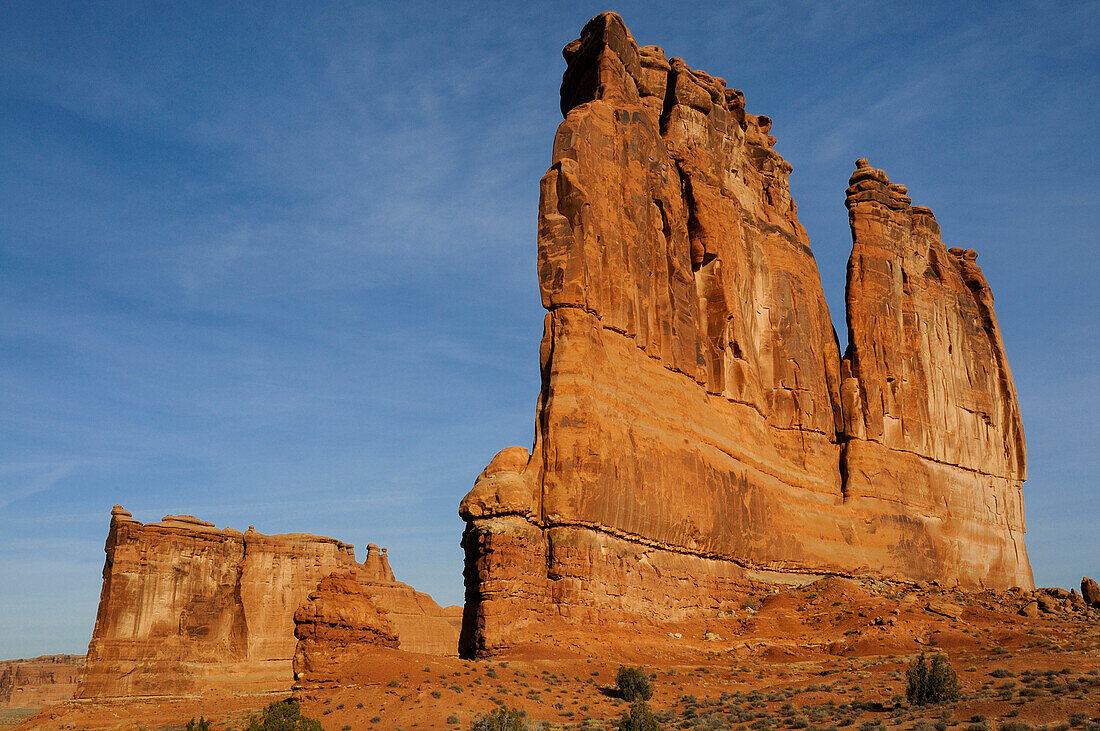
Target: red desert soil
{"type": "Point", "coordinates": [832, 653]}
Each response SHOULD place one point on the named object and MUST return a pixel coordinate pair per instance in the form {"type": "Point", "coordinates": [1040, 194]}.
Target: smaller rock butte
{"type": "Point", "coordinates": [351, 612]}
{"type": "Point", "coordinates": [38, 681]}
{"type": "Point", "coordinates": [187, 607]}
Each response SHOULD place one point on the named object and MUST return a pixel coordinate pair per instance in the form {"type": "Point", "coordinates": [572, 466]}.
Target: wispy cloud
{"type": "Point", "coordinates": [19, 481]}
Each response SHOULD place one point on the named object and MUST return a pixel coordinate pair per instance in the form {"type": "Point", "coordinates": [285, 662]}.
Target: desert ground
{"type": "Point", "coordinates": [828, 654]}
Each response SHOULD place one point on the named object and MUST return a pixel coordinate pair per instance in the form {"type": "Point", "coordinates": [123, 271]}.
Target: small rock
{"type": "Point", "coordinates": [945, 609]}
{"type": "Point", "coordinates": [1031, 609]}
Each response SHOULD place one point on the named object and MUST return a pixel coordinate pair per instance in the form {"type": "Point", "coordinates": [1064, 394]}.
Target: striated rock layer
{"type": "Point", "coordinates": [186, 606]}
{"type": "Point", "coordinates": [697, 427]}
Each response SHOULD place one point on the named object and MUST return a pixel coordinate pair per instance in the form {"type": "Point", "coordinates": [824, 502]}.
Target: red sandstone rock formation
{"type": "Point", "coordinates": [931, 419]}
{"type": "Point", "coordinates": [38, 681]}
{"type": "Point", "coordinates": [1090, 592]}
{"type": "Point", "coordinates": [351, 613]}
{"type": "Point", "coordinates": [696, 428]}
{"type": "Point", "coordinates": [186, 606]}
{"type": "Point", "coordinates": [336, 624]}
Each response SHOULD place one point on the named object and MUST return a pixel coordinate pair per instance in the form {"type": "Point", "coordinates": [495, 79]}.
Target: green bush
{"type": "Point", "coordinates": [501, 719]}
{"type": "Point", "coordinates": [926, 685]}
{"type": "Point", "coordinates": [633, 684]}
{"type": "Point", "coordinates": [201, 725]}
{"type": "Point", "coordinates": [284, 716]}
{"type": "Point", "coordinates": [639, 718]}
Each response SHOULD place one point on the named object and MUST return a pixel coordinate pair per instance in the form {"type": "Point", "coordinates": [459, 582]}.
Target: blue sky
{"type": "Point", "coordinates": [276, 265]}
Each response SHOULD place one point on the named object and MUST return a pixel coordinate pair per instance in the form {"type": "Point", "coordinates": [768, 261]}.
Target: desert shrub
{"type": "Point", "coordinates": [633, 684]}
{"type": "Point", "coordinates": [201, 725]}
{"type": "Point", "coordinates": [638, 718]}
{"type": "Point", "coordinates": [1014, 726]}
{"type": "Point", "coordinates": [501, 719]}
{"type": "Point", "coordinates": [925, 685]}
{"type": "Point", "coordinates": [284, 716]}
{"type": "Point", "coordinates": [1003, 673]}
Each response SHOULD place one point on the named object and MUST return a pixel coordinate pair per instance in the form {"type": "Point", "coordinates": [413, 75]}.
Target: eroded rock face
{"type": "Point", "coordinates": [697, 429]}
{"type": "Point", "coordinates": [185, 605]}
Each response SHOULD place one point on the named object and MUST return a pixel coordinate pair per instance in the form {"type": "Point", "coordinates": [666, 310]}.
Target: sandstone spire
{"type": "Point", "coordinates": [931, 413]}
{"type": "Point", "coordinates": [692, 432]}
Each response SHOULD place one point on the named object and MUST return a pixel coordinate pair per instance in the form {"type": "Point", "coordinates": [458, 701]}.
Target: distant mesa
{"type": "Point", "coordinates": [698, 428]}
{"type": "Point", "coordinates": [38, 681]}
{"type": "Point", "coordinates": [186, 607]}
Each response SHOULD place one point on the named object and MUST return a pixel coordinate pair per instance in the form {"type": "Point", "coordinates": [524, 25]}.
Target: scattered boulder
{"type": "Point", "coordinates": [945, 609]}
{"type": "Point", "coordinates": [1031, 609]}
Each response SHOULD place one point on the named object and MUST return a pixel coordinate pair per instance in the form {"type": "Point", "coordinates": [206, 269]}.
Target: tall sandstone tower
{"type": "Point", "coordinates": [698, 428]}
